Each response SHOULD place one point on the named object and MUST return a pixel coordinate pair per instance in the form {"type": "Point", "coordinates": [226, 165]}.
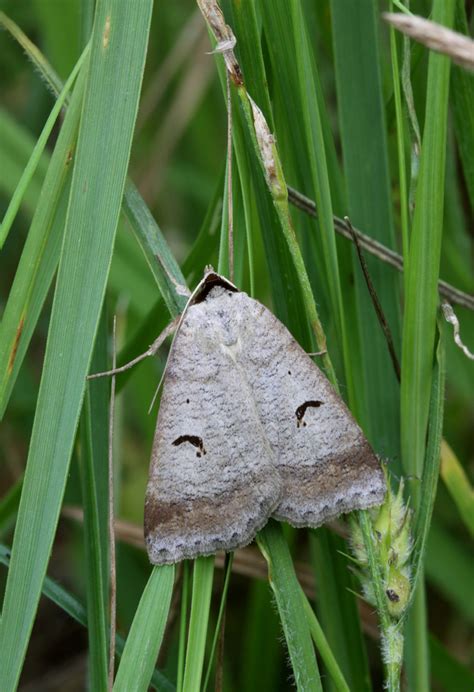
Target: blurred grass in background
{"type": "Point", "coordinates": [322, 74]}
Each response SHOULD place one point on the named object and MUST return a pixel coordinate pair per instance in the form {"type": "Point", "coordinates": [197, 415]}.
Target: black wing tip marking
{"type": "Point", "coordinates": [211, 280]}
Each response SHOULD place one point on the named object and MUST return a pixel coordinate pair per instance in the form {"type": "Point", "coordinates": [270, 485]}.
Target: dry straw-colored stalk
{"type": "Point", "coordinates": [458, 47]}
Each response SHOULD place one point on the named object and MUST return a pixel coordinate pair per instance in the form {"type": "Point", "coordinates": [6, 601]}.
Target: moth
{"type": "Point", "coordinates": [248, 428]}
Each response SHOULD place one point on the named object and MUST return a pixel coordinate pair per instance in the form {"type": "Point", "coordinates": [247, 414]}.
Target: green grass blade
{"type": "Point", "coordinates": [34, 54]}
{"type": "Point", "coordinates": [95, 493]}
{"type": "Point", "coordinates": [220, 616]}
{"type": "Point", "coordinates": [400, 121]}
{"type": "Point", "coordinates": [273, 21]}
{"type": "Point", "coordinates": [54, 592]}
{"type": "Point", "coordinates": [223, 266]}
{"type": "Point", "coordinates": [129, 274]}
{"type": "Point", "coordinates": [462, 90]}
{"type": "Point", "coordinates": [162, 263]}
{"type": "Point", "coordinates": [261, 635]}
{"type": "Point", "coordinates": [183, 624]}
{"type": "Point", "coordinates": [419, 322]}
{"type": "Point", "coordinates": [280, 245]}
{"type": "Point", "coordinates": [200, 604]}
{"type": "Point", "coordinates": [116, 65]}
{"type": "Point", "coordinates": [9, 507]}
{"type": "Point", "coordinates": [431, 465]}
{"type": "Point", "coordinates": [16, 145]}
{"type": "Point", "coordinates": [246, 29]}
{"type": "Point", "coordinates": [272, 171]}
{"type": "Point", "coordinates": [294, 148]}
{"type": "Point", "coordinates": [207, 239]}
{"type": "Point", "coordinates": [323, 648]}
{"type": "Point", "coordinates": [287, 305]}
{"type": "Point", "coordinates": [146, 633]}
{"type": "Point", "coordinates": [446, 670]}
{"type": "Point", "coordinates": [193, 266]}
{"type": "Point", "coordinates": [287, 594]}
{"type": "Point", "coordinates": [244, 22]}
{"type": "Point", "coordinates": [337, 606]}
{"type": "Point", "coordinates": [315, 148]}
{"type": "Point", "coordinates": [40, 254]}
{"type": "Point", "coordinates": [423, 267]}
{"type": "Point", "coordinates": [364, 149]}
{"type": "Point", "coordinates": [458, 485]}
{"type": "Point", "coordinates": [160, 260]}
{"type": "Point", "coordinates": [96, 608]}
{"type": "Point", "coordinates": [59, 32]}
{"type": "Point", "coordinates": [372, 387]}
{"type": "Point", "coordinates": [35, 157]}
{"type": "Point", "coordinates": [447, 556]}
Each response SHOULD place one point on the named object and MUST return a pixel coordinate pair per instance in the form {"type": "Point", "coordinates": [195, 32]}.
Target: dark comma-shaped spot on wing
{"type": "Point", "coordinates": [301, 410]}
{"type": "Point", "coordinates": [192, 439]}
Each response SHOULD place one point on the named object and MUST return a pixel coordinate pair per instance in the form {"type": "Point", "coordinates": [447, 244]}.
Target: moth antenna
{"type": "Point", "coordinates": [157, 390]}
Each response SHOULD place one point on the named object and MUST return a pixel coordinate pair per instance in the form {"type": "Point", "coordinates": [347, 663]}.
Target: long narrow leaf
{"type": "Point", "coordinates": [9, 506]}
{"type": "Point", "coordinates": [16, 145]}
{"type": "Point", "coordinates": [95, 493]}
{"type": "Point", "coordinates": [145, 636]}
{"type": "Point", "coordinates": [163, 265]}
{"type": "Point", "coordinates": [364, 149]}
{"type": "Point", "coordinates": [37, 152]}
{"type": "Point", "coordinates": [320, 181]}
{"type": "Point", "coordinates": [337, 606]}
{"type": "Point", "coordinates": [116, 63]}
{"type": "Point", "coordinates": [423, 267]}
{"type": "Point", "coordinates": [463, 109]}
{"type": "Point", "coordinates": [420, 314]}
{"type": "Point", "coordinates": [200, 604]}
{"type": "Point", "coordinates": [323, 647]}
{"type": "Point", "coordinates": [447, 556]}
{"type": "Point", "coordinates": [40, 255]}
{"type": "Point", "coordinates": [432, 459]}
{"type": "Point", "coordinates": [448, 671]}
{"type": "Point", "coordinates": [458, 485]}
{"type": "Point", "coordinates": [290, 607]}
